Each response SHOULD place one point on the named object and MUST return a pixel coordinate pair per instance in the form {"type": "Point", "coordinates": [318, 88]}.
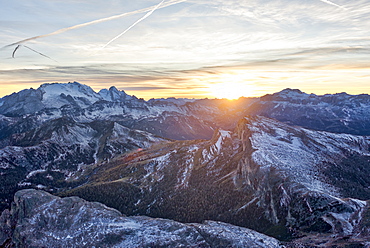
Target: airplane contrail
{"type": "Point", "coordinates": [59, 31]}
{"type": "Point", "coordinates": [15, 51]}
{"type": "Point", "coordinates": [331, 3]}
{"type": "Point", "coordinates": [33, 50]}
{"type": "Point", "coordinates": [142, 18]}
{"type": "Point", "coordinates": [39, 53]}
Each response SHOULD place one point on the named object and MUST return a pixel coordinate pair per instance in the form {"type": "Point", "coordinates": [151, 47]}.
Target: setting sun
{"type": "Point", "coordinates": [232, 84]}
{"type": "Point", "coordinates": [231, 90]}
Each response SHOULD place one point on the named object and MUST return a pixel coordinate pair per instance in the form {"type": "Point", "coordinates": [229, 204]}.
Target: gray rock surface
{"type": "Point", "coordinates": [39, 219]}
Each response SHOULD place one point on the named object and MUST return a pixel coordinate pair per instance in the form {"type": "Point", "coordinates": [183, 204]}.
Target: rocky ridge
{"type": "Point", "coordinates": [339, 113]}
{"type": "Point", "coordinates": [38, 219]}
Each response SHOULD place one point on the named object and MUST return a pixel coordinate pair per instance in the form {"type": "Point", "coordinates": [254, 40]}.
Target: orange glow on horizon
{"type": "Point", "coordinates": [229, 83]}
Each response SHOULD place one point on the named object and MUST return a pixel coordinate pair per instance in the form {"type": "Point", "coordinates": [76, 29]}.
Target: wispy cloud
{"type": "Point", "coordinates": [169, 3]}
{"type": "Point", "coordinates": [264, 76]}
{"type": "Point", "coordinates": [270, 43]}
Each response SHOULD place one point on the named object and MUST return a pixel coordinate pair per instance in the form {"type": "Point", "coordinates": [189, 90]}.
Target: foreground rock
{"type": "Point", "coordinates": [39, 219]}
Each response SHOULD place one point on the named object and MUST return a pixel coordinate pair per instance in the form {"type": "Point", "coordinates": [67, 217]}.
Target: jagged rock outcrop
{"type": "Point", "coordinates": [38, 219]}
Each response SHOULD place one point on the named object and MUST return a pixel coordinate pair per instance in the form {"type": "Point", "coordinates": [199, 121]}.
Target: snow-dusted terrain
{"type": "Point", "coordinates": [265, 175]}
{"type": "Point", "coordinates": [73, 222]}
{"type": "Point", "coordinates": [340, 113]}
{"type": "Point", "coordinates": [300, 170]}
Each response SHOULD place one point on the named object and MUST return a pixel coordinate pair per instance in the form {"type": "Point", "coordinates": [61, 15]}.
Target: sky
{"type": "Point", "coordinates": [187, 48]}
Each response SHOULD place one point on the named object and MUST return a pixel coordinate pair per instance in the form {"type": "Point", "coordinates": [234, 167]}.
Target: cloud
{"type": "Point", "coordinates": [262, 76]}
{"type": "Point", "coordinates": [59, 31]}
{"type": "Point", "coordinates": [192, 44]}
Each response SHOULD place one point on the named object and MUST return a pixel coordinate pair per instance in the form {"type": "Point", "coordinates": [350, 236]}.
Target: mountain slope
{"type": "Point", "coordinates": [340, 113]}
{"type": "Point", "coordinates": [46, 156]}
{"type": "Point", "coordinates": [48, 134]}
{"type": "Point", "coordinates": [264, 175]}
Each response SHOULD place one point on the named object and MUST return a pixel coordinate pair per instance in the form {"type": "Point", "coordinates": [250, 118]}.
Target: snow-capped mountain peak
{"type": "Point", "coordinates": [57, 94]}
{"type": "Point", "coordinates": [113, 95]}
{"type": "Point", "coordinates": [290, 94]}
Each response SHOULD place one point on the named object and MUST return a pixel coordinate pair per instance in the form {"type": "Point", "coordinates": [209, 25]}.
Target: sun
{"type": "Point", "coordinates": [231, 90]}
{"type": "Point", "coordinates": [232, 84]}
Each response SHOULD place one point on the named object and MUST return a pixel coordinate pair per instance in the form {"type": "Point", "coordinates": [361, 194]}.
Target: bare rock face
{"type": "Point", "coordinates": [39, 219]}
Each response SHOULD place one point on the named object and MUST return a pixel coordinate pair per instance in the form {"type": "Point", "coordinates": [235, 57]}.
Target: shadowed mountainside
{"type": "Point", "coordinates": [264, 175]}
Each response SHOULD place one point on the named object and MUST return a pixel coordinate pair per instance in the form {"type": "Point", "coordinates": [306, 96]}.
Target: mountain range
{"type": "Point", "coordinates": [291, 165]}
